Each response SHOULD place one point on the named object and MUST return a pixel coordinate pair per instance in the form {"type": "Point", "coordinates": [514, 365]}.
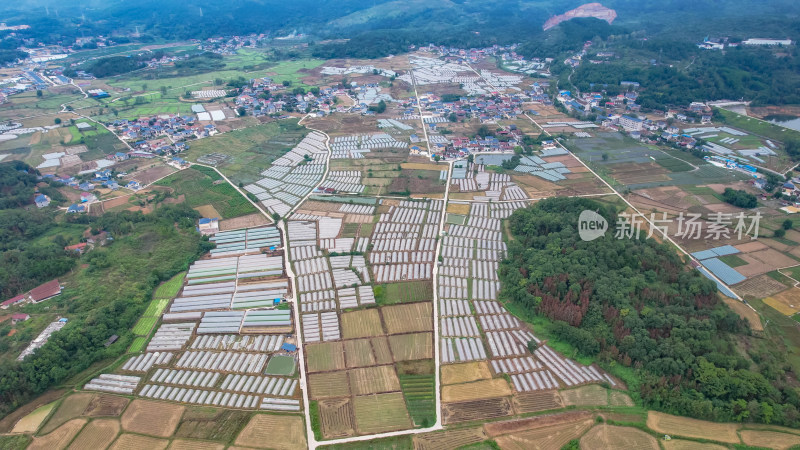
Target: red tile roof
{"type": "Point", "coordinates": [13, 300]}
{"type": "Point", "coordinates": [45, 291]}
{"type": "Point", "coordinates": [20, 316]}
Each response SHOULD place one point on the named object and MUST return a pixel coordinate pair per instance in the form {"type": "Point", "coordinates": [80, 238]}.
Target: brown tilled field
{"type": "Point", "coordinates": [476, 410]}
{"type": "Point", "coordinates": [770, 439]}
{"type": "Point", "coordinates": [591, 395]}
{"type": "Point", "coordinates": [58, 438]}
{"type": "Point", "coordinates": [477, 390]}
{"type": "Point", "coordinates": [616, 398]}
{"type": "Point", "coordinates": [250, 220]}
{"type": "Point", "coordinates": [358, 353]}
{"type": "Point", "coordinates": [760, 286]}
{"type": "Point", "coordinates": [381, 412]}
{"type": "Point", "coordinates": [336, 418]}
{"type": "Point", "coordinates": [680, 444]}
{"type": "Point", "coordinates": [153, 418]}
{"type": "Point", "coordinates": [207, 211]}
{"type": "Point", "coordinates": [106, 405]}
{"type": "Point", "coordinates": [408, 317]}
{"type": "Point", "coordinates": [465, 372]}
{"type": "Point", "coordinates": [745, 311]}
{"type": "Point", "coordinates": [98, 433]}
{"type": "Point", "coordinates": [185, 444]}
{"type": "Point", "coordinates": [458, 208]}
{"type": "Point", "coordinates": [70, 408]}
{"type": "Point", "coordinates": [362, 323]}
{"type": "Point", "coordinates": [526, 402]}
{"type": "Point", "coordinates": [328, 384]}
{"type": "Point", "coordinates": [556, 435]}
{"type": "Point", "coordinates": [380, 347]}
{"type": "Point", "coordinates": [449, 439]}
{"type": "Point", "coordinates": [693, 428]}
{"type": "Point", "coordinates": [786, 302]}
{"type": "Point", "coordinates": [152, 174]}
{"type": "Point", "coordinates": [273, 431]}
{"type": "Point", "coordinates": [763, 261]}
{"type": "Point", "coordinates": [407, 347]}
{"type": "Point", "coordinates": [373, 380]}
{"type": "Point", "coordinates": [604, 436]}
{"type": "Point", "coordinates": [325, 356]}
{"type": "Point", "coordinates": [136, 442]}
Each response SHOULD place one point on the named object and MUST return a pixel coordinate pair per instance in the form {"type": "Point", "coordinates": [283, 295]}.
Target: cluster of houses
{"type": "Point", "coordinates": [257, 99]}
{"type": "Point", "coordinates": [146, 135]}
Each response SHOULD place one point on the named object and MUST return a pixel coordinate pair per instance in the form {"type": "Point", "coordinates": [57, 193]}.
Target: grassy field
{"type": "Point", "coordinates": [759, 127]}
{"type": "Point", "coordinates": [170, 288]}
{"type": "Point", "coordinates": [203, 186]}
{"type": "Point", "coordinates": [412, 291]}
{"type": "Point", "coordinates": [250, 150]}
{"type": "Point", "coordinates": [280, 365]}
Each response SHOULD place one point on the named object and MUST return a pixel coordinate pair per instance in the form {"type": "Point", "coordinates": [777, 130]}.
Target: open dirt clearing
{"type": "Point", "coordinates": [207, 211]}
{"type": "Point", "coordinates": [602, 437]}
{"type": "Point", "coordinates": [32, 422]}
{"type": "Point", "coordinates": [153, 418]}
{"type": "Point", "coordinates": [106, 405]}
{"type": "Point", "coordinates": [248, 221]}
{"type": "Point", "coordinates": [273, 431]}
{"type": "Point", "coordinates": [465, 372]}
{"type": "Point", "coordinates": [684, 426]}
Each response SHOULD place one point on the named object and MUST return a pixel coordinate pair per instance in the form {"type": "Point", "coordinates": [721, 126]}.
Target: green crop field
{"type": "Point", "coordinates": [203, 186]}
{"type": "Point", "coordinates": [251, 150]}
{"type": "Point", "coordinates": [144, 325]}
{"type": "Point", "coordinates": [411, 291]}
{"type": "Point", "coordinates": [419, 392]}
{"type": "Point", "coordinates": [170, 288]}
{"type": "Point", "coordinates": [138, 344]}
{"type": "Point", "coordinates": [156, 307]}
{"type": "Point", "coordinates": [280, 365]}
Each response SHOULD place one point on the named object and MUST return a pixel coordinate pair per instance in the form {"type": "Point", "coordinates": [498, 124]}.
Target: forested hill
{"type": "Point", "coordinates": [635, 303]}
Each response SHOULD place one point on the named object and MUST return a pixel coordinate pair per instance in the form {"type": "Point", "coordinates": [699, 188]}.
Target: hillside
{"type": "Point", "coordinates": [633, 303]}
